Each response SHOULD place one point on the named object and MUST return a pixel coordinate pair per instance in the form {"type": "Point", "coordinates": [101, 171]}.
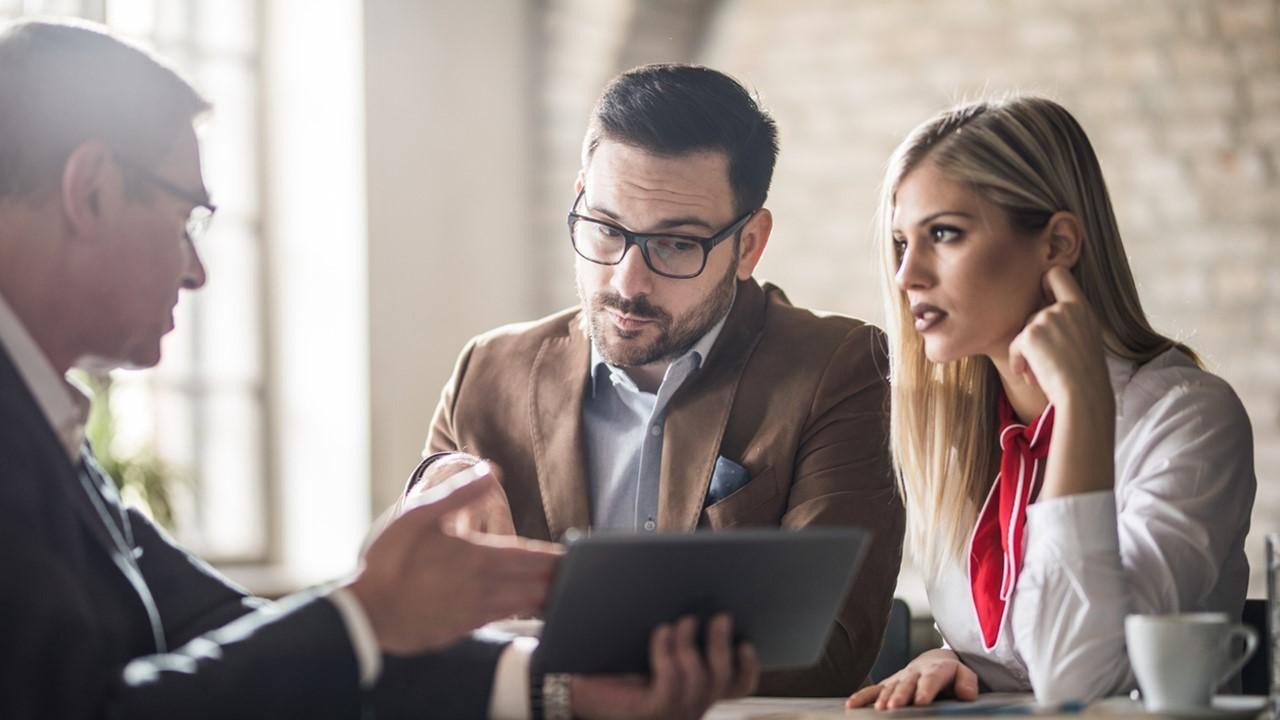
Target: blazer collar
{"type": "Point", "coordinates": [699, 413]}
{"type": "Point", "coordinates": [557, 384]}
{"type": "Point", "coordinates": [695, 420]}
{"type": "Point", "coordinates": [24, 415]}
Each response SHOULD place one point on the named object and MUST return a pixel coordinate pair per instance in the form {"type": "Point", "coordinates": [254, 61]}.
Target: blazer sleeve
{"type": "Point", "coordinates": [1158, 544]}
{"type": "Point", "coordinates": [443, 437]}
{"type": "Point", "coordinates": [844, 477]}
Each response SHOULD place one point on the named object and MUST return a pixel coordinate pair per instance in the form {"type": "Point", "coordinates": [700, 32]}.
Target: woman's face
{"type": "Point", "coordinates": [970, 280]}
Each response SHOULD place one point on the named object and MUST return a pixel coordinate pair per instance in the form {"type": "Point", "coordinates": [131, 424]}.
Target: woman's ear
{"type": "Point", "coordinates": [1065, 237]}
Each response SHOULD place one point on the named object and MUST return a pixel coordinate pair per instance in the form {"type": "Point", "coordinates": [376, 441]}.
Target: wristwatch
{"type": "Point", "coordinates": [550, 698]}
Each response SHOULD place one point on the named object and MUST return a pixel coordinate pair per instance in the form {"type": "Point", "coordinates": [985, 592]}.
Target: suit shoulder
{"type": "Point", "coordinates": [1171, 387]}
{"type": "Point", "coordinates": [525, 337]}
{"type": "Point", "coordinates": [814, 330]}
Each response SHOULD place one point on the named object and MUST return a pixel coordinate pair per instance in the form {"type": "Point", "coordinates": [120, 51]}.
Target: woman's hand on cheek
{"type": "Point", "coordinates": [1060, 350]}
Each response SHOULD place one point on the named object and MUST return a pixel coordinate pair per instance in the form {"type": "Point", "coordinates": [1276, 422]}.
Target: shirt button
{"type": "Point", "coordinates": [649, 525]}
{"type": "Point", "coordinates": [656, 430]}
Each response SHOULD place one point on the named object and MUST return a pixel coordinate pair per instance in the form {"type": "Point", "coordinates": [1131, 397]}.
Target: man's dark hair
{"type": "Point", "coordinates": [674, 109]}
{"type": "Point", "coordinates": [65, 83]}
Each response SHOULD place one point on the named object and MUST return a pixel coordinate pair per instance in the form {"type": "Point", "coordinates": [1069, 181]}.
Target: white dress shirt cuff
{"type": "Point", "coordinates": [1074, 526]}
{"type": "Point", "coordinates": [365, 643]}
{"type": "Point", "coordinates": [510, 699]}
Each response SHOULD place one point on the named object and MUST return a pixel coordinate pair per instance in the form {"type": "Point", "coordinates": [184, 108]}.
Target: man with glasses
{"type": "Point", "coordinates": [101, 614]}
{"type": "Point", "coordinates": [681, 394]}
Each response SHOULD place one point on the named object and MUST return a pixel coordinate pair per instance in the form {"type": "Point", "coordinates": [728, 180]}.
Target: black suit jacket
{"type": "Point", "coordinates": [108, 618]}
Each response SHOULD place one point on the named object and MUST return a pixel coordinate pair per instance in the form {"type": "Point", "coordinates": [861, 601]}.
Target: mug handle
{"type": "Point", "coordinates": [1250, 637]}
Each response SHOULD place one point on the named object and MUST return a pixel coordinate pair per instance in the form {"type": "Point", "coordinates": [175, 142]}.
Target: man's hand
{"type": "Point", "coordinates": [490, 513]}
{"type": "Point", "coordinates": [920, 682]}
{"type": "Point", "coordinates": [683, 684]}
{"type": "Point", "coordinates": [424, 587]}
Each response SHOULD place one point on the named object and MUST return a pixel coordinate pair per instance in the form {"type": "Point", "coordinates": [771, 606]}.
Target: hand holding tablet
{"type": "Point", "coordinates": [782, 590]}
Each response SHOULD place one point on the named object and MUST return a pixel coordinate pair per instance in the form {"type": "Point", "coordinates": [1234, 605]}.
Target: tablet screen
{"type": "Point", "coordinates": [782, 588]}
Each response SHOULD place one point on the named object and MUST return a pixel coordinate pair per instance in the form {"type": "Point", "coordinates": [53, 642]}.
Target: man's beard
{"type": "Point", "coordinates": [675, 336]}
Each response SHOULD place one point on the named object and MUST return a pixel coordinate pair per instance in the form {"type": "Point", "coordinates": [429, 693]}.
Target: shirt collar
{"type": "Point", "coordinates": [698, 352]}
{"type": "Point", "coordinates": [65, 407]}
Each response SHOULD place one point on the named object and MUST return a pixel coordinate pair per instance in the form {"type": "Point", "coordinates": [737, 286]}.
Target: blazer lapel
{"type": "Point", "coordinates": [699, 413]}
{"type": "Point", "coordinates": [17, 402]}
{"type": "Point", "coordinates": [557, 384]}
{"type": "Point", "coordinates": [21, 406]}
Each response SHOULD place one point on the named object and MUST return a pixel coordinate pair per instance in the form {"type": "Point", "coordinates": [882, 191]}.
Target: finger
{"type": "Point", "coordinates": [500, 522]}
{"type": "Point", "coordinates": [929, 684]}
{"type": "Point", "coordinates": [515, 541]}
{"type": "Point", "coordinates": [748, 672]}
{"type": "Point", "coordinates": [905, 690]}
{"type": "Point", "coordinates": [664, 677]}
{"type": "Point", "coordinates": [693, 681]}
{"type": "Point", "coordinates": [865, 696]}
{"type": "Point", "coordinates": [1062, 286]}
{"type": "Point", "coordinates": [1019, 365]}
{"type": "Point", "coordinates": [886, 691]}
{"type": "Point", "coordinates": [447, 497]}
{"type": "Point", "coordinates": [719, 655]}
{"type": "Point", "coordinates": [511, 557]}
{"type": "Point", "coordinates": [424, 511]}
{"type": "Point", "coordinates": [966, 683]}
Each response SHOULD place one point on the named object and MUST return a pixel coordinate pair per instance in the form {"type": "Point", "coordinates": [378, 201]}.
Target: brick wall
{"type": "Point", "coordinates": [1180, 97]}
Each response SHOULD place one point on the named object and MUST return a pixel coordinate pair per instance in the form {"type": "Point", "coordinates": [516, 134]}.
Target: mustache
{"type": "Point", "coordinates": [637, 307]}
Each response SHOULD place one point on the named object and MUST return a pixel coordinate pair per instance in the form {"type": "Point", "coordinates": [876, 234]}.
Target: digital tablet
{"type": "Point", "coordinates": [782, 588]}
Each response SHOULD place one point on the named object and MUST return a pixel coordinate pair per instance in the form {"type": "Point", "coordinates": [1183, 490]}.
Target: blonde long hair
{"type": "Point", "coordinates": [1029, 157]}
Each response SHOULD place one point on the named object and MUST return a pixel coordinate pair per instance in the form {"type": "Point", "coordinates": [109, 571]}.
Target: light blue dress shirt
{"type": "Point", "coordinates": [622, 427]}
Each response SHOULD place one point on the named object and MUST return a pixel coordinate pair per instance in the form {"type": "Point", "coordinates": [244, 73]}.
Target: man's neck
{"type": "Point", "coordinates": [648, 378]}
{"type": "Point", "coordinates": [26, 288]}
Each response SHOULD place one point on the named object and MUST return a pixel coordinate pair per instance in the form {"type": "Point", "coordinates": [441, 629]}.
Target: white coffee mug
{"type": "Point", "coordinates": [1180, 660]}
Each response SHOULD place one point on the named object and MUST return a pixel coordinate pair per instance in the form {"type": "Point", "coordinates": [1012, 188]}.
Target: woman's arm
{"type": "Point", "coordinates": [1158, 543]}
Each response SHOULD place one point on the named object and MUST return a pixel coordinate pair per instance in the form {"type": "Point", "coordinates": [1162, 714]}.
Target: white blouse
{"type": "Point", "coordinates": [1169, 539]}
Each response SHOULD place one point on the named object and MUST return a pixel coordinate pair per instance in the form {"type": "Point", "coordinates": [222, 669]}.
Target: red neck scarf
{"type": "Point", "coordinates": [995, 549]}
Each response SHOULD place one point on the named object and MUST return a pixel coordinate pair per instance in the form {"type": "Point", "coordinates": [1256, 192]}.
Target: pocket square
{"type": "Point", "coordinates": [726, 479]}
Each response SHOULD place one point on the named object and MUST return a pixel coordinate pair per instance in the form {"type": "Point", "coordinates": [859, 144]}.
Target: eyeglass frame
{"type": "Point", "coordinates": [201, 223]}
{"type": "Point", "coordinates": [641, 239]}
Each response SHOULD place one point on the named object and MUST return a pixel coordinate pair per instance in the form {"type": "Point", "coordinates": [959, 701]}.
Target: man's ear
{"type": "Point", "coordinates": [1065, 236]}
{"type": "Point", "coordinates": [755, 236]}
{"type": "Point", "coordinates": [88, 178]}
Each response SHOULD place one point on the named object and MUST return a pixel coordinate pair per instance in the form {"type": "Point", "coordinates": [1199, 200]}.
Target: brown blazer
{"type": "Point", "coordinates": [800, 401]}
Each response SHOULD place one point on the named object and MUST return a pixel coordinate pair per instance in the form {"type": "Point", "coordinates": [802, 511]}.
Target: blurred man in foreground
{"type": "Point", "coordinates": [102, 615]}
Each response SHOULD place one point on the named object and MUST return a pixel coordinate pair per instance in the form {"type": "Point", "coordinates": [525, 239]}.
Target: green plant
{"type": "Point", "coordinates": [142, 477]}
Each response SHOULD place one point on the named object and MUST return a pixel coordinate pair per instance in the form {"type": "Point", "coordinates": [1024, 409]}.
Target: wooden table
{"type": "Point", "coordinates": [1244, 707]}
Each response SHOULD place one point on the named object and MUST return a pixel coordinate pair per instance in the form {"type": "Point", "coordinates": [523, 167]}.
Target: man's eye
{"type": "Point", "coordinates": [945, 233]}
{"type": "Point", "coordinates": [673, 246]}
{"type": "Point", "coordinates": [606, 231]}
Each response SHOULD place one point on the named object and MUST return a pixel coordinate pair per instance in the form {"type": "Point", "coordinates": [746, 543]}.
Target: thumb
{"type": "Point", "coordinates": [448, 497]}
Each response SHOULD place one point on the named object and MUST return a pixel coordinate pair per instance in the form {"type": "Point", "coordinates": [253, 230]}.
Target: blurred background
{"type": "Point", "coordinates": [393, 177]}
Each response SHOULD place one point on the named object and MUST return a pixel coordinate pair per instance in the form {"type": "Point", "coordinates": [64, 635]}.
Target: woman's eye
{"type": "Point", "coordinates": [944, 233]}
{"type": "Point", "coordinates": [899, 246]}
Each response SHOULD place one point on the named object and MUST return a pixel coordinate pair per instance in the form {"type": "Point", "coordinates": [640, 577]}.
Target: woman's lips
{"type": "Point", "coordinates": [927, 316]}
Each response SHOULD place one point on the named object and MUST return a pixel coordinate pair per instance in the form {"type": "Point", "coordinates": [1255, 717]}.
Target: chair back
{"type": "Point", "coordinates": [1255, 676]}
{"type": "Point", "coordinates": [895, 653]}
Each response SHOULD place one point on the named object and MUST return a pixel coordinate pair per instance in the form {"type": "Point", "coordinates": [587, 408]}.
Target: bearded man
{"type": "Point", "coordinates": [682, 394]}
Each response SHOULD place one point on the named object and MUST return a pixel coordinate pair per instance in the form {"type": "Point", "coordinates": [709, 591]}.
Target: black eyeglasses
{"type": "Point", "coordinates": [668, 254]}
{"type": "Point", "coordinates": [201, 209]}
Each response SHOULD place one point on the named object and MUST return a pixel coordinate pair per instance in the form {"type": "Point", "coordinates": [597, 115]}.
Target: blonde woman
{"type": "Point", "coordinates": [1063, 464]}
